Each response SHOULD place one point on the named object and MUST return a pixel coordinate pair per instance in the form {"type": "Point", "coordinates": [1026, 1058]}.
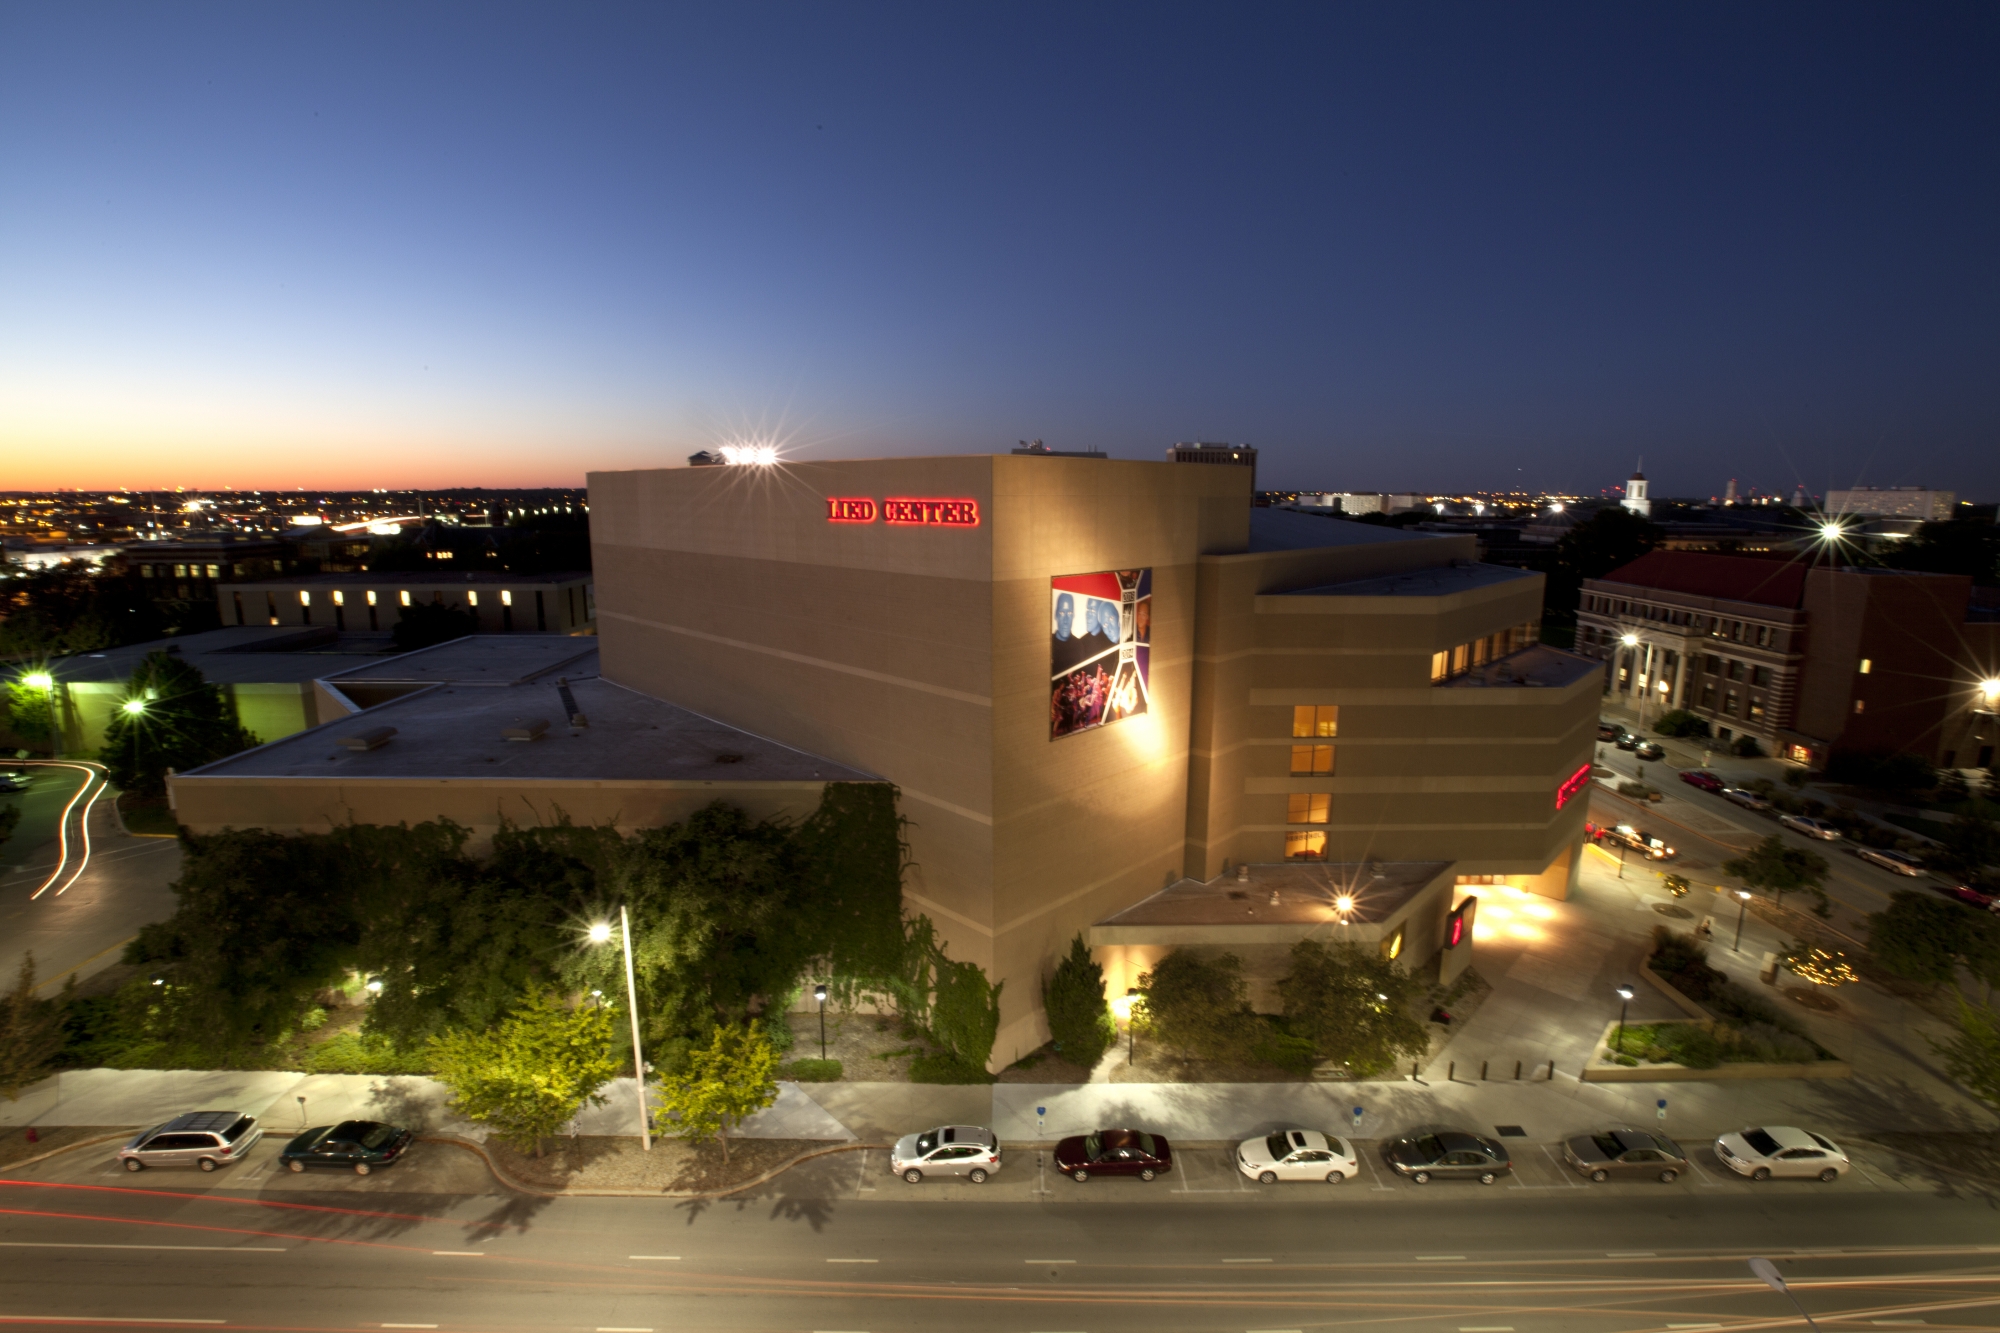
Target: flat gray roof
{"type": "Point", "coordinates": [454, 731]}
{"type": "Point", "coordinates": [1438, 581]}
{"type": "Point", "coordinates": [479, 659]}
{"type": "Point", "coordinates": [1536, 665]}
{"type": "Point", "coordinates": [240, 655]}
{"type": "Point", "coordinates": [1305, 891]}
{"type": "Point", "coordinates": [1290, 530]}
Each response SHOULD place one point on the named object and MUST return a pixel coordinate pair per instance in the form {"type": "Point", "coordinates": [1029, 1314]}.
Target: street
{"type": "Point", "coordinates": [1457, 1259]}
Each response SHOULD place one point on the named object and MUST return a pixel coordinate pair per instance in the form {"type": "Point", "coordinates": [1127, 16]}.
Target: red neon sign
{"type": "Point", "coordinates": [1457, 929]}
{"type": "Point", "coordinates": [1574, 784]}
{"type": "Point", "coordinates": [904, 512]}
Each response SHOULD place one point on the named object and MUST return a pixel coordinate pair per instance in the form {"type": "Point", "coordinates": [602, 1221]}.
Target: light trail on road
{"type": "Point", "coordinates": [92, 774]}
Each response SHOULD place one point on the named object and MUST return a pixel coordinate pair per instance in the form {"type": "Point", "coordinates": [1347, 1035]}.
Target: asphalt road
{"type": "Point", "coordinates": [1457, 1260]}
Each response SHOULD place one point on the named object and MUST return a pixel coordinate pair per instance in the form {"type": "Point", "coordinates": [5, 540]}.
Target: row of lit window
{"type": "Point", "coordinates": [1737, 631]}
{"type": "Point", "coordinates": [339, 597]}
{"type": "Point", "coordinates": [1477, 653]}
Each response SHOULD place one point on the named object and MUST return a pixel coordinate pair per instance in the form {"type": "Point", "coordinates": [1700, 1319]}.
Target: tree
{"type": "Point", "coordinates": [1922, 937]}
{"type": "Point", "coordinates": [1973, 1056]}
{"type": "Point", "coordinates": [531, 1074]}
{"type": "Point", "coordinates": [1970, 843]}
{"type": "Point", "coordinates": [1781, 869]}
{"type": "Point", "coordinates": [1352, 1004]}
{"type": "Point", "coordinates": [74, 608]}
{"type": "Point", "coordinates": [1080, 1021]}
{"type": "Point", "coordinates": [10, 819]}
{"type": "Point", "coordinates": [1614, 536]}
{"type": "Point", "coordinates": [1199, 1006]}
{"type": "Point", "coordinates": [1680, 722]}
{"type": "Point", "coordinates": [965, 1017]}
{"type": "Point", "coordinates": [171, 718]}
{"type": "Point", "coordinates": [31, 1033]}
{"type": "Point", "coordinates": [31, 712]}
{"type": "Point", "coordinates": [422, 624]}
{"type": "Point", "coordinates": [1956, 546]}
{"type": "Point", "coordinates": [720, 1084]}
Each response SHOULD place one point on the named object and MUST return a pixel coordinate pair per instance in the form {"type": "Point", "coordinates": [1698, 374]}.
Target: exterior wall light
{"type": "Point", "coordinates": [38, 680]}
{"type": "Point", "coordinates": [1629, 640]}
{"type": "Point", "coordinates": [1989, 691]}
{"type": "Point", "coordinates": [134, 706]}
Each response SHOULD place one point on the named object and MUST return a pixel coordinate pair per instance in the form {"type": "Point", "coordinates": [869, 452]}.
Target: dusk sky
{"type": "Point", "coordinates": [1393, 246]}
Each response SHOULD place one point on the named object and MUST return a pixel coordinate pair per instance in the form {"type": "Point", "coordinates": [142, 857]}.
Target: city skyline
{"type": "Point", "coordinates": [268, 250]}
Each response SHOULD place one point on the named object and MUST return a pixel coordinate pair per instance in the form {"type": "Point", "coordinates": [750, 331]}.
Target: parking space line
{"type": "Point", "coordinates": [1369, 1162]}
{"type": "Point", "coordinates": [1555, 1162]}
{"type": "Point", "coordinates": [664, 1258]}
{"type": "Point", "coordinates": [462, 1254]}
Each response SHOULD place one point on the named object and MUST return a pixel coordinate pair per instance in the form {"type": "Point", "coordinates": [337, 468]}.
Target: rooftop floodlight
{"type": "Point", "coordinates": [1344, 903]}
{"type": "Point", "coordinates": [38, 680]}
{"type": "Point", "coordinates": [754, 455]}
{"type": "Point", "coordinates": [1629, 640]}
{"type": "Point", "coordinates": [1831, 532]}
{"type": "Point", "coordinates": [600, 932]}
{"type": "Point", "coordinates": [1989, 690]}
{"type": "Point", "coordinates": [134, 706]}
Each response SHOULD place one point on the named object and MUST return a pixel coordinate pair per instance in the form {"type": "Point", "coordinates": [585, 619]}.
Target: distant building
{"type": "Point", "coordinates": [1918, 502]}
{"type": "Point", "coordinates": [192, 568]}
{"type": "Point", "coordinates": [1635, 496]}
{"type": "Point", "coordinates": [1232, 455]}
{"type": "Point", "coordinates": [372, 602]}
{"type": "Point", "coordinates": [1037, 447]}
{"type": "Point", "coordinates": [1806, 660]}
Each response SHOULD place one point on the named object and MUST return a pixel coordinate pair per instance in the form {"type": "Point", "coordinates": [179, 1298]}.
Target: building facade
{"type": "Point", "coordinates": [1804, 660]}
{"type": "Point", "coordinates": [363, 603]}
{"type": "Point", "coordinates": [1919, 502]}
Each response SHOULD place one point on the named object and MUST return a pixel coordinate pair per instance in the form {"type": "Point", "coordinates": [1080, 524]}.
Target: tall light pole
{"type": "Point", "coordinates": [1768, 1271]}
{"type": "Point", "coordinates": [46, 683]}
{"type": "Point", "coordinates": [1742, 906]}
{"type": "Point", "coordinates": [819, 993]}
{"type": "Point", "coordinates": [1624, 1002]}
{"type": "Point", "coordinates": [1632, 641]}
{"type": "Point", "coordinates": [600, 933]}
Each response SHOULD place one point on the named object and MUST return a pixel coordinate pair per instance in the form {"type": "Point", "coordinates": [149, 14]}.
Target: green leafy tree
{"type": "Point", "coordinates": [965, 1018]}
{"type": "Point", "coordinates": [1973, 1055]}
{"type": "Point", "coordinates": [1777, 867]}
{"type": "Point", "coordinates": [1352, 1004]}
{"type": "Point", "coordinates": [31, 1033]}
{"type": "Point", "coordinates": [1970, 843]}
{"type": "Point", "coordinates": [30, 713]}
{"type": "Point", "coordinates": [1681, 722]}
{"type": "Point", "coordinates": [1956, 546]}
{"type": "Point", "coordinates": [1080, 1021]}
{"type": "Point", "coordinates": [529, 1076]}
{"type": "Point", "coordinates": [719, 1085]}
{"type": "Point", "coordinates": [171, 718]}
{"type": "Point", "coordinates": [1612, 537]}
{"type": "Point", "coordinates": [423, 624]}
{"type": "Point", "coordinates": [74, 608]}
{"type": "Point", "coordinates": [10, 819]}
{"type": "Point", "coordinates": [1922, 937]}
{"type": "Point", "coordinates": [1199, 1006]}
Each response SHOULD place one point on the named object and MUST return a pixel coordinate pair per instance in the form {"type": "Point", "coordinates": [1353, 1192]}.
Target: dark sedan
{"type": "Point", "coordinates": [1702, 778]}
{"type": "Point", "coordinates": [1449, 1154]}
{"type": "Point", "coordinates": [1625, 1152]}
{"type": "Point", "coordinates": [1650, 750]}
{"type": "Point", "coordinates": [1115, 1152]}
{"type": "Point", "coordinates": [352, 1145]}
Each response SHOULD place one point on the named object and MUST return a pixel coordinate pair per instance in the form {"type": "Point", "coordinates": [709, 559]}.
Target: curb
{"type": "Point", "coordinates": [72, 1147]}
{"type": "Point", "coordinates": [521, 1187]}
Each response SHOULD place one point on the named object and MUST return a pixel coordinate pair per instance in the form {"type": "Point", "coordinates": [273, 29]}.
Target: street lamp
{"type": "Point", "coordinates": [1624, 1002]}
{"type": "Point", "coordinates": [819, 993]}
{"type": "Point", "coordinates": [134, 706]}
{"type": "Point", "coordinates": [600, 933]}
{"type": "Point", "coordinates": [1742, 906]}
{"type": "Point", "coordinates": [1768, 1271]}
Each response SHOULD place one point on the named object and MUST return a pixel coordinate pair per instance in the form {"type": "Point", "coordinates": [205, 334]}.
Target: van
{"type": "Point", "coordinates": [206, 1139]}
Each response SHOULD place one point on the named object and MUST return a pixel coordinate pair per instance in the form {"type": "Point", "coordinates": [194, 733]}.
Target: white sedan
{"type": "Point", "coordinates": [1780, 1150]}
{"type": "Point", "coordinates": [1888, 860]}
{"type": "Point", "coordinates": [1296, 1154]}
{"type": "Point", "coordinates": [1812, 828]}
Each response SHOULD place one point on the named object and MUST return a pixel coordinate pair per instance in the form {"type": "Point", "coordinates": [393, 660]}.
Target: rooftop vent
{"type": "Point", "coordinates": [530, 730]}
{"type": "Point", "coordinates": [372, 739]}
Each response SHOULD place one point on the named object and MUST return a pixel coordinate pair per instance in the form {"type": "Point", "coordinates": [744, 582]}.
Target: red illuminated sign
{"type": "Point", "coordinates": [1574, 784]}
{"type": "Point", "coordinates": [904, 512]}
{"type": "Point", "coordinates": [1457, 929]}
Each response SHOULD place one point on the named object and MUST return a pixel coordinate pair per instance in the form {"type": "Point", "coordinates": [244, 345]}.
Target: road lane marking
{"type": "Point", "coordinates": [409, 1325]}
{"type": "Point", "coordinates": [98, 1319]}
{"type": "Point", "coordinates": [80, 1245]}
{"type": "Point", "coordinates": [624, 1330]}
{"type": "Point", "coordinates": [1048, 1261]}
{"type": "Point", "coordinates": [854, 1261]}
{"type": "Point", "coordinates": [1440, 1258]}
{"type": "Point", "coordinates": [1631, 1254]}
{"type": "Point", "coordinates": [1693, 1326]}
{"type": "Point", "coordinates": [462, 1254]}
{"type": "Point", "coordinates": [1246, 1261]}
{"type": "Point", "coordinates": [663, 1258]}
{"type": "Point", "coordinates": [1898, 1322]}
{"type": "Point", "coordinates": [1485, 1328]}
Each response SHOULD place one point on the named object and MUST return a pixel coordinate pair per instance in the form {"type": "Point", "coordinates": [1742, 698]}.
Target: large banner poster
{"type": "Point", "coordinates": [1100, 643]}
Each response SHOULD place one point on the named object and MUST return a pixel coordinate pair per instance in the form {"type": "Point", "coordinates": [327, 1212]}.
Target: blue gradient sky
{"type": "Point", "coordinates": [1399, 246]}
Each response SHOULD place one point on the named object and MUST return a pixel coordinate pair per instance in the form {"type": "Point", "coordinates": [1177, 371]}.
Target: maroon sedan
{"type": "Point", "coordinates": [1702, 778]}
{"type": "Point", "coordinates": [1114, 1152]}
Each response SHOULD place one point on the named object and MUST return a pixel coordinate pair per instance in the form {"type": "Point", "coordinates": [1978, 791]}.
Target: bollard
{"type": "Point", "coordinates": [1552, 1071]}
{"type": "Point", "coordinates": [1482, 1071]}
{"type": "Point", "coordinates": [1517, 1071]}
{"type": "Point", "coordinates": [1451, 1072]}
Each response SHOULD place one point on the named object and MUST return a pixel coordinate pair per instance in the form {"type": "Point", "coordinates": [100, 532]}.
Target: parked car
{"type": "Point", "coordinates": [1609, 731]}
{"type": "Point", "coordinates": [1970, 896]}
{"type": "Point", "coordinates": [206, 1139]}
{"type": "Point", "coordinates": [1651, 844]}
{"type": "Point", "coordinates": [1812, 828]}
{"type": "Point", "coordinates": [971, 1151]}
{"type": "Point", "coordinates": [1627, 740]}
{"type": "Point", "coordinates": [15, 781]}
{"type": "Point", "coordinates": [1749, 800]}
{"type": "Point", "coordinates": [1625, 1152]}
{"type": "Point", "coordinates": [1296, 1154]}
{"type": "Point", "coordinates": [1449, 1154]}
{"type": "Point", "coordinates": [1888, 860]}
{"type": "Point", "coordinates": [1115, 1152]}
{"type": "Point", "coordinates": [1650, 750]}
{"type": "Point", "coordinates": [352, 1145]}
{"type": "Point", "coordinates": [1702, 778]}
{"type": "Point", "coordinates": [1781, 1150]}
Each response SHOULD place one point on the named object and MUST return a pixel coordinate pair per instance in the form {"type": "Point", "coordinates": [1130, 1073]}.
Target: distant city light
{"type": "Point", "coordinates": [1556, 508]}
{"type": "Point", "coordinates": [1629, 640]}
{"type": "Point", "coordinates": [306, 520]}
{"type": "Point", "coordinates": [759, 455]}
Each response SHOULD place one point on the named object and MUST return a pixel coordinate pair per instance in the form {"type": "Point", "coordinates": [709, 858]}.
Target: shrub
{"type": "Point", "coordinates": [533, 1072]}
{"type": "Point", "coordinates": [808, 1070]}
{"type": "Point", "coordinates": [1351, 1005]}
{"type": "Point", "coordinates": [1639, 789]}
{"type": "Point", "coordinates": [1681, 722]}
{"type": "Point", "coordinates": [1080, 1022]}
{"type": "Point", "coordinates": [363, 1053]}
{"type": "Point", "coordinates": [1747, 747]}
{"type": "Point", "coordinates": [941, 1067]}
{"type": "Point", "coordinates": [1199, 1006]}
{"type": "Point", "coordinates": [1276, 1045]}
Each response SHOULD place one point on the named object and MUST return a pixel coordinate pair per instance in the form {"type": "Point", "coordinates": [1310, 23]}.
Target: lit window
{"type": "Point", "coordinates": [1460, 658]}
{"type": "Point", "coordinates": [1305, 846]}
{"type": "Point", "coordinates": [339, 597]}
{"type": "Point", "coordinates": [506, 597]}
{"type": "Point", "coordinates": [404, 596]}
{"type": "Point", "coordinates": [1860, 705]}
{"type": "Point", "coordinates": [471, 597]}
{"type": "Point", "coordinates": [1311, 759]}
{"type": "Point", "coordinates": [1479, 652]}
{"type": "Point", "coordinates": [215, 571]}
{"type": "Point", "coordinates": [1392, 948]}
{"type": "Point", "coordinates": [305, 598]}
{"type": "Point", "coordinates": [1316, 720]}
{"type": "Point", "coordinates": [1729, 704]}
{"type": "Point", "coordinates": [180, 571]}
{"type": "Point", "coordinates": [1307, 807]}
{"type": "Point", "coordinates": [1440, 665]}
{"type": "Point", "coordinates": [1866, 666]}
{"type": "Point", "coordinates": [371, 597]}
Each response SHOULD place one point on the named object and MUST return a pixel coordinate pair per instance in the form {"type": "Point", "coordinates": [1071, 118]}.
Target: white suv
{"type": "Point", "coordinates": [950, 1150]}
{"type": "Point", "coordinates": [206, 1139]}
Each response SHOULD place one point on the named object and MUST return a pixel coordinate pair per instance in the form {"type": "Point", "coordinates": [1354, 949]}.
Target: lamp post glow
{"type": "Point", "coordinates": [1989, 693]}
{"type": "Point", "coordinates": [38, 680]}
{"type": "Point", "coordinates": [819, 993]}
{"type": "Point", "coordinates": [1742, 906]}
{"type": "Point", "coordinates": [600, 933]}
{"type": "Point", "coordinates": [134, 706]}
{"type": "Point", "coordinates": [1768, 1272]}
{"type": "Point", "coordinates": [1624, 1002]}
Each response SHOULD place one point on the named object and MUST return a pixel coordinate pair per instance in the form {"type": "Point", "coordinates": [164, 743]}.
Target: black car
{"type": "Point", "coordinates": [1625, 1152]}
{"type": "Point", "coordinates": [1650, 750]}
{"type": "Point", "coordinates": [352, 1145]}
{"type": "Point", "coordinates": [1609, 731]}
{"type": "Point", "coordinates": [1448, 1154]}
{"type": "Point", "coordinates": [1627, 741]}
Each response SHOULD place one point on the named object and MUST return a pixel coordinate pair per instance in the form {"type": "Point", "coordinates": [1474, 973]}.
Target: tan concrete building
{"type": "Point", "coordinates": [1092, 679]}
{"type": "Point", "coordinates": [372, 602]}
